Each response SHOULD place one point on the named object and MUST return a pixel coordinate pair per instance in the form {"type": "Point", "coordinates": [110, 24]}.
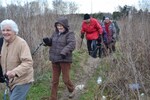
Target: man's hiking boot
{"type": "Point", "coordinates": [72, 94]}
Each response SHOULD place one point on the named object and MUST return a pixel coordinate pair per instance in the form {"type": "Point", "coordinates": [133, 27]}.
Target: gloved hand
{"type": "Point", "coordinates": [114, 36]}
{"type": "Point", "coordinates": [47, 41]}
{"type": "Point", "coordinates": [82, 35]}
{"type": "Point", "coordinates": [63, 56]}
{"type": "Point", "coordinates": [113, 40]}
{"type": "Point", "coordinates": [100, 38]}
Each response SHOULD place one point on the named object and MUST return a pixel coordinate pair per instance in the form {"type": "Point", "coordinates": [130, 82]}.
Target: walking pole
{"type": "Point", "coordinates": [81, 43]}
{"type": "Point", "coordinates": [37, 48]}
{"type": "Point", "coordinates": [7, 87]}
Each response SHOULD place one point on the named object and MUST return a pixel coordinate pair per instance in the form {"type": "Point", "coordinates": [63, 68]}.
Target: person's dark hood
{"type": "Point", "coordinates": [63, 21]}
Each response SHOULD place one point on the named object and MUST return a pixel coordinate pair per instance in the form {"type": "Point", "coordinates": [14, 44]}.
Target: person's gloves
{"type": "Point", "coordinates": [82, 35]}
{"type": "Point", "coordinates": [100, 38]}
{"type": "Point", "coordinates": [114, 38]}
{"type": "Point", "coordinates": [63, 56]}
{"type": "Point", "coordinates": [47, 41]}
{"type": "Point", "coordinates": [4, 78]}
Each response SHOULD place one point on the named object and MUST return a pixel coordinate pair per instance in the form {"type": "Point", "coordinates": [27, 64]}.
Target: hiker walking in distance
{"type": "Point", "coordinates": [62, 43]}
{"type": "Point", "coordinates": [110, 31]}
{"type": "Point", "coordinates": [117, 29]}
{"type": "Point", "coordinates": [16, 61]}
{"type": "Point", "coordinates": [93, 31]}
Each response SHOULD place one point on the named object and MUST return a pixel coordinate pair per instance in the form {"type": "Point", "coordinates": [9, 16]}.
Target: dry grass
{"type": "Point", "coordinates": [131, 63]}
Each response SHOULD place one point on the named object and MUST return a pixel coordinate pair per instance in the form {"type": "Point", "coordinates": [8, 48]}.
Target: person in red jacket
{"type": "Point", "coordinates": [93, 31]}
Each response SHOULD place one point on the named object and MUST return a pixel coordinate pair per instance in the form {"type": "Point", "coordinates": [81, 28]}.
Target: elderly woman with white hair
{"type": "Point", "coordinates": [16, 61]}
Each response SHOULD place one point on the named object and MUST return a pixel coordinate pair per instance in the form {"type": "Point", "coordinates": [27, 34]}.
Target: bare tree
{"type": "Point", "coordinates": [144, 5]}
{"type": "Point", "coordinates": [72, 7]}
{"type": "Point", "coordinates": [59, 7]}
{"type": "Point", "coordinates": [35, 7]}
{"type": "Point", "coordinates": [62, 7]}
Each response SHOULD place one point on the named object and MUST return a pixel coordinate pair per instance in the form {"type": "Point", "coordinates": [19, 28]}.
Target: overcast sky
{"type": "Point", "coordinates": [93, 6]}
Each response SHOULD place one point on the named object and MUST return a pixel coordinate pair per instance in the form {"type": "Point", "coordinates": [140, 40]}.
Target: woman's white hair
{"type": "Point", "coordinates": [11, 23]}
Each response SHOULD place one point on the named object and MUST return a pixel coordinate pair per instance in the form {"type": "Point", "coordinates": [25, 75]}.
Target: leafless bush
{"type": "Point", "coordinates": [130, 65]}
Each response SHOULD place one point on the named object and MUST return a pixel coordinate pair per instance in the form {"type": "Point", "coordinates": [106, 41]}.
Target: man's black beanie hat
{"type": "Point", "coordinates": [86, 16]}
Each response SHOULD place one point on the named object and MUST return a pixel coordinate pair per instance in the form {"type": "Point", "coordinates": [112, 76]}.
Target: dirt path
{"type": "Point", "coordinates": [88, 70]}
